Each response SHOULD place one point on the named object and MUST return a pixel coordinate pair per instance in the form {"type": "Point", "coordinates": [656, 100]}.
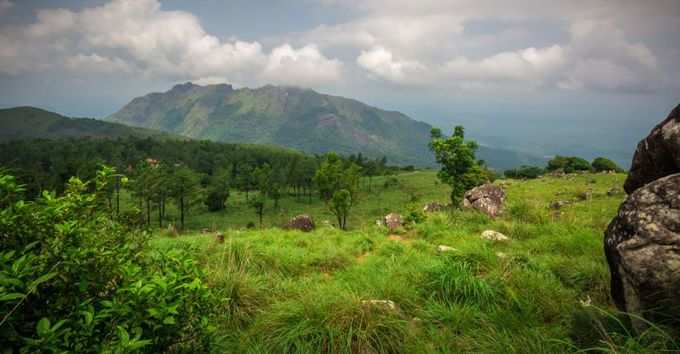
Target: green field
{"type": "Point", "coordinates": [545, 290]}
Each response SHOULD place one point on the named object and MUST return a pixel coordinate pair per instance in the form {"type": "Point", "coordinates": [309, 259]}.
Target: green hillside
{"type": "Point", "coordinates": [21, 123]}
{"type": "Point", "coordinates": [298, 118]}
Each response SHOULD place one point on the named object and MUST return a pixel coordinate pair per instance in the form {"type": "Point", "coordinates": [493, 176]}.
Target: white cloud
{"type": "Point", "coordinates": [381, 63]}
{"type": "Point", "coordinates": [434, 35]}
{"type": "Point", "coordinates": [304, 66]}
{"type": "Point", "coordinates": [137, 36]}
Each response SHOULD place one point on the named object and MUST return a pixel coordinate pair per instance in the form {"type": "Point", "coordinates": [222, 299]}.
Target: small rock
{"type": "Point", "coordinates": [393, 221]}
{"type": "Point", "coordinates": [219, 237]}
{"type": "Point", "coordinates": [587, 195]}
{"type": "Point", "coordinates": [494, 236]}
{"type": "Point", "coordinates": [386, 304]}
{"type": "Point", "coordinates": [433, 207]}
{"type": "Point", "coordinates": [301, 222]}
{"type": "Point", "coordinates": [443, 249]}
{"type": "Point", "coordinates": [558, 204]}
{"type": "Point", "coordinates": [613, 191]}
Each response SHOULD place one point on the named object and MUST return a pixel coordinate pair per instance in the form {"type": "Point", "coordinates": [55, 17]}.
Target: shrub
{"type": "Point", "coordinates": [73, 280]}
{"type": "Point", "coordinates": [603, 164]}
{"type": "Point", "coordinates": [568, 164]}
{"type": "Point", "coordinates": [524, 172]}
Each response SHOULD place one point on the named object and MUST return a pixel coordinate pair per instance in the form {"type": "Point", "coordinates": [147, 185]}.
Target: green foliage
{"type": "Point", "coordinates": [459, 167]}
{"type": "Point", "coordinates": [340, 205]}
{"type": "Point", "coordinates": [71, 280]}
{"type": "Point", "coordinates": [524, 172]}
{"type": "Point", "coordinates": [338, 183]}
{"type": "Point", "coordinates": [603, 164]}
{"type": "Point", "coordinates": [568, 164]}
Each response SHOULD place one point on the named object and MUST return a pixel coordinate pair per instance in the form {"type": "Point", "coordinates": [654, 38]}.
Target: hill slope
{"type": "Point", "coordinates": [29, 123]}
{"type": "Point", "coordinates": [299, 118]}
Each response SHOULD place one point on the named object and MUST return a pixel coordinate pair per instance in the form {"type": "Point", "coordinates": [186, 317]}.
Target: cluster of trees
{"type": "Point", "coordinates": [190, 173]}
{"type": "Point", "coordinates": [566, 164]}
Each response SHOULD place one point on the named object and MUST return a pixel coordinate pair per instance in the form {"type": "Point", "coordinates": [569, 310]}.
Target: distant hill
{"type": "Point", "coordinates": [294, 117]}
{"type": "Point", "coordinates": [22, 123]}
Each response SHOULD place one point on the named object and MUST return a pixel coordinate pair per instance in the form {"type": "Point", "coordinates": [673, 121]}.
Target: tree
{"type": "Point", "coordinates": [340, 205]}
{"type": "Point", "coordinates": [337, 182]}
{"type": "Point", "coordinates": [184, 188]}
{"type": "Point", "coordinates": [218, 190]}
{"type": "Point", "coordinates": [568, 164]}
{"type": "Point", "coordinates": [603, 164]}
{"type": "Point", "coordinates": [459, 167]}
{"type": "Point", "coordinates": [258, 204]}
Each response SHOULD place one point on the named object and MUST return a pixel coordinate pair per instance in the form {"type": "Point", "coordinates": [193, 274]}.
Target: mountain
{"type": "Point", "coordinates": [29, 123]}
{"type": "Point", "coordinates": [294, 117]}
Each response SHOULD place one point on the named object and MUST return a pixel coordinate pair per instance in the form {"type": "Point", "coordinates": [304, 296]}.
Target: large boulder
{"type": "Point", "coordinates": [393, 221]}
{"type": "Point", "coordinates": [301, 222]}
{"type": "Point", "coordinates": [487, 198]}
{"type": "Point", "coordinates": [642, 245]}
{"type": "Point", "coordinates": [658, 155]}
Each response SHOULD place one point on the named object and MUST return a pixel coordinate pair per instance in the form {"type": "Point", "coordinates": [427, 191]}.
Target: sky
{"type": "Point", "coordinates": [572, 77]}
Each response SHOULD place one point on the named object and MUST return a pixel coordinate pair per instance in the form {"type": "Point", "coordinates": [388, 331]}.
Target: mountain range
{"type": "Point", "coordinates": [22, 123]}
{"type": "Point", "coordinates": [299, 118]}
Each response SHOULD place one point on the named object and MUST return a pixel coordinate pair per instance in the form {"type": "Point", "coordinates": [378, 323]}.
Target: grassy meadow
{"type": "Point", "coordinates": [370, 291]}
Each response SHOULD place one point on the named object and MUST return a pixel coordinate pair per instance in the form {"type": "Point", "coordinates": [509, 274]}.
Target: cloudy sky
{"type": "Point", "coordinates": [570, 76]}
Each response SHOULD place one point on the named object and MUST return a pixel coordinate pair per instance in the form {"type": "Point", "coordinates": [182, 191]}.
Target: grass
{"type": "Point", "coordinates": [544, 291]}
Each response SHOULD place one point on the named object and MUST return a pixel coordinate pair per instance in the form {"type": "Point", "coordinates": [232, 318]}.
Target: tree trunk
{"type": "Point", "coordinates": [181, 208]}
{"type": "Point", "coordinates": [148, 212]}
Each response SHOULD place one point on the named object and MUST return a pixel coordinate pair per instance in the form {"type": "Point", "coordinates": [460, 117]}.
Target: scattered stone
{"type": "Point", "coordinates": [613, 191]}
{"type": "Point", "coordinates": [487, 198]}
{"type": "Point", "coordinates": [587, 195]}
{"type": "Point", "coordinates": [557, 173]}
{"type": "Point", "coordinates": [558, 204]}
{"type": "Point", "coordinates": [444, 249]}
{"type": "Point", "coordinates": [385, 304]}
{"type": "Point", "coordinates": [301, 222]}
{"type": "Point", "coordinates": [494, 236]}
{"type": "Point", "coordinates": [205, 231]}
{"type": "Point", "coordinates": [657, 155]}
{"type": "Point", "coordinates": [642, 245]}
{"type": "Point", "coordinates": [393, 221]}
{"type": "Point", "coordinates": [433, 207]}
{"type": "Point", "coordinates": [219, 237]}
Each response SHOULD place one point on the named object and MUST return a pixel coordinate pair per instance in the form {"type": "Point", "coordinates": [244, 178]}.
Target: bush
{"type": "Point", "coordinates": [568, 164]}
{"type": "Point", "coordinates": [603, 164]}
{"type": "Point", "coordinates": [524, 172]}
{"type": "Point", "coordinates": [73, 280]}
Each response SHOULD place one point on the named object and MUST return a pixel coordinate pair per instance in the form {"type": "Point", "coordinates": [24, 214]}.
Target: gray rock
{"type": "Point", "coordinates": [658, 155]}
{"type": "Point", "coordinates": [393, 221]}
{"type": "Point", "coordinates": [433, 207]}
{"type": "Point", "coordinates": [444, 249]}
{"type": "Point", "coordinates": [301, 222]}
{"type": "Point", "coordinates": [494, 236]}
{"type": "Point", "coordinates": [642, 246]}
{"type": "Point", "coordinates": [487, 198]}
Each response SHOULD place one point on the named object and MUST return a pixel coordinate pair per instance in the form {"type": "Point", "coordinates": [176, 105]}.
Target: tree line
{"type": "Point", "coordinates": [188, 173]}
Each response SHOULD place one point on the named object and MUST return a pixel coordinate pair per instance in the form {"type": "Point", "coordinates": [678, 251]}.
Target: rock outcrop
{"type": "Point", "coordinates": [301, 222]}
{"type": "Point", "coordinates": [642, 246]}
{"type": "Point", "coordinates": [658, 155]}
{"type": "Point", "coordinates": [487, 198]}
